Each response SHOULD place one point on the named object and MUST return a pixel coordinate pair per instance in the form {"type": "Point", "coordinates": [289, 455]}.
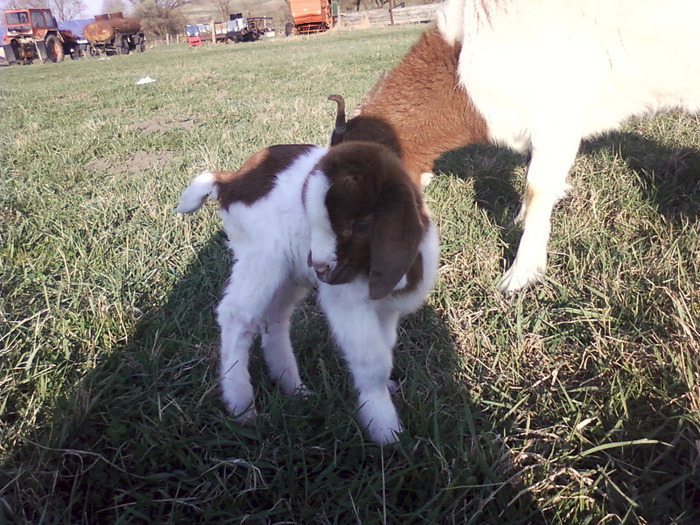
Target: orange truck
{"type": "Point", "coordinates": [311, 16]}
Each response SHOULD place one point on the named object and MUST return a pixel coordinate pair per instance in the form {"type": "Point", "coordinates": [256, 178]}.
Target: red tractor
{"type": "Point", "coordinates": [33, 34]}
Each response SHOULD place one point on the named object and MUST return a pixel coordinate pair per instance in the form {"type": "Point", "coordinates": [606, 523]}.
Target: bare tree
{"type": "Point", "coordinates": [224, 8]}
{"type": "Point", "coordinates": [115, 6]}
{"type": "Point", "coordinates": [24, 4]}
{"type": "Point", "coordinates": [61, 9]}
{"type": "Point", "coordinates": [66, 9]}
{"type": "Point", "coordinates": [358, 5]}
{"type": "Point", "coordinates": [160, 17]}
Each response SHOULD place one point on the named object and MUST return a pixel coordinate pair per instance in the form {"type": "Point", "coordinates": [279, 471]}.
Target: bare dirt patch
{"type": "Point", "coordinates": [134, 163]}
{"type": "Point", "coordinates": [161, 124]}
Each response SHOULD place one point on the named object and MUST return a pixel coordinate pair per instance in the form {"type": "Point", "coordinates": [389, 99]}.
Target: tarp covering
{"type": "Point", "coordinates": [75, 26]}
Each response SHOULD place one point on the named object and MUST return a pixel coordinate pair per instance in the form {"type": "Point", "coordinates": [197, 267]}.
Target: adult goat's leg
{"type": "Point", "coordinates": [545, 185]}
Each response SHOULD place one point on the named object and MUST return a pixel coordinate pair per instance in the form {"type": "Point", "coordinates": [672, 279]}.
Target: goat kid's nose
{"type": "Point", "coordinates": [322, 269]}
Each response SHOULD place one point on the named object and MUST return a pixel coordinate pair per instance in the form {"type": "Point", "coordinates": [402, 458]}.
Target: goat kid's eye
{"type": "Point", "coordinates": [361, 225]}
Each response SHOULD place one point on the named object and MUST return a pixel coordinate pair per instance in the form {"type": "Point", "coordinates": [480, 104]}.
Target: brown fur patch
{"type": "Point", "coordinates": [256, 177]}
{"type": "Point", "coordinates": [414, 276]}
{"type": "Point", "coordinates": [420, 111]}
{"type": "Point", "coordinates": [529, 196]}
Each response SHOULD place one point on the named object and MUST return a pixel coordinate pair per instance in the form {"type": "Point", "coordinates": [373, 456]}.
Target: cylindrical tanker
{"type": "Point", "coordinates": [114, 34]}
{"type": "Point", "coordinates": [105, 30]}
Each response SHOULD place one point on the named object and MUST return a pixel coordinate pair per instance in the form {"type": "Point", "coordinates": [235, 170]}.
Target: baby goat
{"type": "Point", "coordinates": [349, 221]}
{"type": "Point", "coordinates": [538, 77]}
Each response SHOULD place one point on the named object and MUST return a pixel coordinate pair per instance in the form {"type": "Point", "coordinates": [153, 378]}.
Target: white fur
{"type": "Point", "coordinates": [323, 242]}
{"type": "Point", "coordinates": [271, 240]}
{"type": "Point", "coordinates": [197, 193]}
{"type": "Point", "coordinates": [366, 334]}
{"type": "Point", "coordinates": [547, 73]}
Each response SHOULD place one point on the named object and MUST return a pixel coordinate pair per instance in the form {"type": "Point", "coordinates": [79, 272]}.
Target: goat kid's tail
{"type": "Point", "coordinates": [196, 194]}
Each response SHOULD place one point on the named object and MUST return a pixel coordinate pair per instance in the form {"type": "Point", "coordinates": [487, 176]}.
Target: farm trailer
{"type": "Point", "coordinates": [237, 29]}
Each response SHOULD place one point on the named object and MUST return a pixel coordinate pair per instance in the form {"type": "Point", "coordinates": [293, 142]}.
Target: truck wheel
{"type": "Point", "coordinates": [140, 44]}
{"type": "Point", "coordinates": [289, 29]}
{"type": "Point", "coordinates": [54, 48]}
{"type": "Point", "coordinates": [81, 51]}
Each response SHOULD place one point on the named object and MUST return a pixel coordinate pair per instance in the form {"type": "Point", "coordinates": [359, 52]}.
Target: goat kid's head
{"type": "Point", "coordinates": [366, 217]}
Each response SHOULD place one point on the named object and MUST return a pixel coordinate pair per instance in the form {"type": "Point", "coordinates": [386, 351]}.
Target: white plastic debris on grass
{"type": "Point", "coordinates": [145, 80]}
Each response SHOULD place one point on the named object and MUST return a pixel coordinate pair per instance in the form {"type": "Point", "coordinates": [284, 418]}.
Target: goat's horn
{"type": "Point", "coordinates": [340, 127]}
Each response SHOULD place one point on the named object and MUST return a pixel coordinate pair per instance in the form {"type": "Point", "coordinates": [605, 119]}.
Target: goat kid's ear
{"type": "Point", "coordinates": [394, 239]}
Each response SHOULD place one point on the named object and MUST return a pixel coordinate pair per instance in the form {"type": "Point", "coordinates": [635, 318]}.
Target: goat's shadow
{"type": "Point", "coordinates": [143, 434]}
{"type": "Point", "coordinates": [669, 177]}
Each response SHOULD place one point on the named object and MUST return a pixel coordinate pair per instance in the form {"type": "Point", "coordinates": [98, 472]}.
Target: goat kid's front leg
{"type": "Point", "coordinates": [362, 339]}
{"type": "Point", "coordinates": [545, 185]}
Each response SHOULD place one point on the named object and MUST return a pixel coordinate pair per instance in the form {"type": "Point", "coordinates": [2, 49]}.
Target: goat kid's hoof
{"type": "Point", "coordinates": [246, 417]}
{"type": "Point", "coordinates": [303, 392]}
{"type": "Point", "coordinates": [385, 435]}
{"type": "Point", "coordinates": [516, 280]}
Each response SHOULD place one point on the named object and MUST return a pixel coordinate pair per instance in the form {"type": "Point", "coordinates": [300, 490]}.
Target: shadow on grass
{"type": "Point", "coordinates": [143, 437]}
{"type": "Point", "coordinates": [493, 170]}
{"type": "Point", "coordinates": [651, 482]}
{"type": "Point", "coordinates": [669, 177]}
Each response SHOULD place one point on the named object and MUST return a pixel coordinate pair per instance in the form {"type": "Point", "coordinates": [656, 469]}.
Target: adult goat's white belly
{"type": "Point", "coordinates": [577, 67]}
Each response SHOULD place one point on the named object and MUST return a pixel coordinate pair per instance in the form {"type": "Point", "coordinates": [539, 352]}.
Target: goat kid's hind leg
{"type": "Point", "coordinates": [241, 315]}
{"type": "Point", "coordinates": [545, 185]}
{"type": "Point", "coordinates": [360, 336]}
{"type": "Point", "coordinates": [277, 346]}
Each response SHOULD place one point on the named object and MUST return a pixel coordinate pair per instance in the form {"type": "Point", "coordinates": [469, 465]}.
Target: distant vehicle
{"type": "Point", "coordinates": [114, 34]}
{"type": "Point", "coordinates": [33, 34]}
{"type": "Point", "coordinates": [237, 29]}
{"type": "Point", "coordinates": [311, 16]}
{"type": "Point", "coordinates": [258, 26]}
{"type": "Point", "coordinates": [195, 32]}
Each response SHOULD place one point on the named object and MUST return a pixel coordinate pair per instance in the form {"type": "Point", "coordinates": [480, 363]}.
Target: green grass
{"type": "Point", "coordinates": [576, 402]}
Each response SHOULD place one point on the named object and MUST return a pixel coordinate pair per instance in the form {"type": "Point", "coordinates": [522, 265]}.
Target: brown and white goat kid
{"type": "Point", "coordinates": [537, 76]}
{"type": "Point", "coordinates": [349, 221]}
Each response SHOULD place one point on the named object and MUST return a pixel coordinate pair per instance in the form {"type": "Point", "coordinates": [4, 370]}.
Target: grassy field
{"type": "Point", "coordinates": [577, 402]}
